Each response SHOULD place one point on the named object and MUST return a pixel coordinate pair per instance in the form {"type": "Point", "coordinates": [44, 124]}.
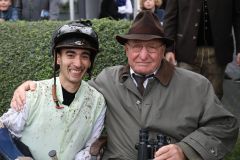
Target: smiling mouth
{"type": "Point", "coordinates": [143, 63]}
{"type": "Point", "coordinates": [76, 72]}
{"type": "Point", "coordinates": [4, 8]}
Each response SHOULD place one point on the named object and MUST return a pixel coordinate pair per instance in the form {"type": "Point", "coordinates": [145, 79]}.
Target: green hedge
{"type": "Point", "coordinates": [25, 51]}
{"type": "Point", "coordinates": [25, 54]}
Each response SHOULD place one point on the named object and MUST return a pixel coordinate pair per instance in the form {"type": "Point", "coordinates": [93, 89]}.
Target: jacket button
{"type": "Point", "coordinates": [194, 37]}
{"type": "Point", "coordinates": [212, 151]}
{"type": "Point", "coordinates": [196, 25]}
{"type": "Point", "coordinates": [198, 10]}
{"type": "Point", "coordinates": [138, 102]}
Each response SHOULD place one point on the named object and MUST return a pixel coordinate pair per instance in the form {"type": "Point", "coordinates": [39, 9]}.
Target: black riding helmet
{"type": "Point", "coordinates": [76, 34]}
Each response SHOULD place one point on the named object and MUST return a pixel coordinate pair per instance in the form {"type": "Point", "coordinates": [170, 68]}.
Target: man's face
{"type": "Point", "coordinates": [73, 65]}
{"type": "Point", "coordinates": [144, 57]}
{"type": "Point", "coordinates": [4, 4]}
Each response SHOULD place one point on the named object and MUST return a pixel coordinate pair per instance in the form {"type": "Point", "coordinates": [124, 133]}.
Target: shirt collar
{"type": "Point", "coordinates": [132, 72]}
{"type": "Point", "coordinates": [163, 74]}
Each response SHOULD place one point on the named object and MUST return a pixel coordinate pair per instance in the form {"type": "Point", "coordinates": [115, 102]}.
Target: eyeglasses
{"type": "Point", "coordinates": [151, 48]}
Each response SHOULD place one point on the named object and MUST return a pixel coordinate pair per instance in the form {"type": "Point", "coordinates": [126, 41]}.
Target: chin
{"type": "Point", "coordinates": [143, 71]}
{"type": "Point", "coordinates": [75, 79]}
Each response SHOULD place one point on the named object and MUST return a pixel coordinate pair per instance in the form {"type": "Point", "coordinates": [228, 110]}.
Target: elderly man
{"type": "Point", "coordinates": [175, 102]}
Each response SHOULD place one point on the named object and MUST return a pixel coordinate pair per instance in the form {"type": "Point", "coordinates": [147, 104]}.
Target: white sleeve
{"type": "Point", "coordinates": [15, 121]}
{"type": "Point", "coordinates": [128, 9]}
{"type": "Point", "coordinates": [84, 154]}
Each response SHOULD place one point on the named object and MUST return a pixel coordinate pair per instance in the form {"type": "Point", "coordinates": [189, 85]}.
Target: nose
{"type": "Point", "coordinates": [143, 53]}
{"type": "Point", "coordinates": [77, 61]}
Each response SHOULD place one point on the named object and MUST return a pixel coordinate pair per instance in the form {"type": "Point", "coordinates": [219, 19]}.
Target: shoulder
{"type": "Point", "coordinates": [114, 70]}
{"type": "Point", "coordinates": [189, 74]}
{"type": "Point", "coordinates": [91, 97]}
{"type": "Point", "coordinates": [184, 76]}
{"type": "Point", "coordinates": [92, 91]}
{"type": "Point", "coordinates": [109, 74]}
{"type": "Point", "coordinates": [42, 86]}
{"type": "Point", "coordinates": [41, 96]}
{"type": "Point", "coordinates": [193, 84]}
{"type": "Point", "coordinates": [106, 78]}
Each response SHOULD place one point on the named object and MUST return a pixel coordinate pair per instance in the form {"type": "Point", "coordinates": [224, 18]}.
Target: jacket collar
{"type": "Point", "coordinates": [164, 73]}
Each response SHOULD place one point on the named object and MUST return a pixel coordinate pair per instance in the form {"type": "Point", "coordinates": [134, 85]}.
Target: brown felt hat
{"type": "Point", "coordinates": [146, 26]}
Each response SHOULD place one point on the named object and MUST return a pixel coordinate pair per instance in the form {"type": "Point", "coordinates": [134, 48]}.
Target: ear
{"type": "Point", "coordinates": [90, 64]}
{"type": "Point", "coordinates": [126, 49]}
{"type": "Point", "coordinates": [164, 48]}
{"type": "Point", "coordinates": [58, 58]}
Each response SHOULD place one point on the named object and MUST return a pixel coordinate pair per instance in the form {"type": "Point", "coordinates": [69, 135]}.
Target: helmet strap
{"type": "Point", "coordinates": [54, 86]}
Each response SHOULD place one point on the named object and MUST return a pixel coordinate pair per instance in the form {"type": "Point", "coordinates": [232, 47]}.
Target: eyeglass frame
{"type": "Point", "coordinates": [146, 47]}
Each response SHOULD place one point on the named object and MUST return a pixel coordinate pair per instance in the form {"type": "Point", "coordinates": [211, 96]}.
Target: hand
{"type": "Point", "coordinates": [170, 152]}
{"type": "Point", "coordinates": [19, 97]}
{"type": "Point", "coordinates": [24, 158]}
{"type": "Point", "coordinates": [170, 57]}
{"type": "Point", "coordinates": [238, 59]}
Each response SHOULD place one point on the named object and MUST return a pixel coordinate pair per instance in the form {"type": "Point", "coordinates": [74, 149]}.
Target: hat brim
{"type": "Point", "coordinates": [122, 39]}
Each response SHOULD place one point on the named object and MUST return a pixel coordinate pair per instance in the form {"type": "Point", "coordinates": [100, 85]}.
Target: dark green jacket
{"type": "Point", "coordinates": [178, 103]}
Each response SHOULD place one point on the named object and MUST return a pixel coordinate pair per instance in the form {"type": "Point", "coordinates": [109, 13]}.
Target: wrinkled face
{"type": "Point", "coordinates": [5, 4]}
{"type": "Point", "coordinates": [73, 65]}
{"type": "Point", "coordinates": [144, 57]}
{"type": "Point", "coordinates": [149, 4]}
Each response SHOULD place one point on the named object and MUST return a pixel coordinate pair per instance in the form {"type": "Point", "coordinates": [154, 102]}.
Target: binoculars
{"type": "Point", "coordinates": [147, 148]}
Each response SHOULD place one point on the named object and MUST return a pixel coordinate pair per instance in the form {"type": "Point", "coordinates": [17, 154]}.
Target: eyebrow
{"type": "Point", "coordinates": [70, 51]}
{"type": "Point", "coordinates": [139, 41]}
{"type": "Point", "coordinates": [74, 52]}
